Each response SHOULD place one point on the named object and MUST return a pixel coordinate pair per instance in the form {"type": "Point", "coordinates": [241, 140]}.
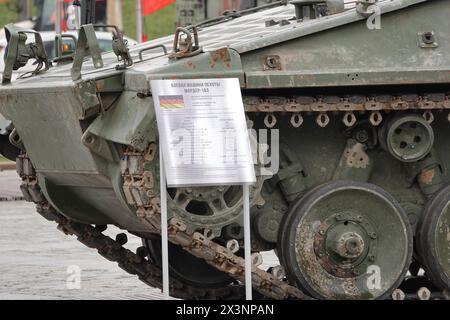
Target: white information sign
{"type": "Point", "coordinates": [203, 132]}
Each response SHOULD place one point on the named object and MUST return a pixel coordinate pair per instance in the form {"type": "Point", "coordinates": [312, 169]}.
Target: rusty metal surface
{"type": "Point", "coordinates": [327, 103]}
{"type": "Point", "coordinates": [349, 106]}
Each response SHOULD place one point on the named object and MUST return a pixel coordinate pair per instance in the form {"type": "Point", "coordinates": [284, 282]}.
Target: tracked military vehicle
{"type": "Point", "coordinates": [360, 202]}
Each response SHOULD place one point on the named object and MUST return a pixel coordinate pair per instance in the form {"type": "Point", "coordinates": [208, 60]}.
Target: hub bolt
{"type": "Point", "coordinates": [348, 245]}
{"type": "Point", "coordinates": [362, 136]}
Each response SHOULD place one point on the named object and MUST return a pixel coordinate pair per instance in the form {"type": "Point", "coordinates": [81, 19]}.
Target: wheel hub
{"type": "Point", "coordinates": [345, 244]}
{"type": "Point", "coordinates": [348, 245]}
{"type": "Point", "coordinates": [409, 138]}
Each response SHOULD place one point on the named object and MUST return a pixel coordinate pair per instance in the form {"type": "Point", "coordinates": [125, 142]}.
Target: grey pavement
{"type": "Point", "coordinates": [9, 185]}
{"type": "Point", "coordinates": [35, 258]}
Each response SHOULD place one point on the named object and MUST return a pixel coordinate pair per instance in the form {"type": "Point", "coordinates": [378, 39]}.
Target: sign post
{"type": "Point", "coordinates": [164, 232]}
{"type": "Point", "coordinates": [204, 141]}
{"type": "Point", "coordinates": [247, 243]}
{"type": "Point", "coordinates": [139, 21]}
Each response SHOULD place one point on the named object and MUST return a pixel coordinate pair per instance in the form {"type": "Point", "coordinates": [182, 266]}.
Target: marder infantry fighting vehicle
{"type": "Point", "coordinates": [360, 203]}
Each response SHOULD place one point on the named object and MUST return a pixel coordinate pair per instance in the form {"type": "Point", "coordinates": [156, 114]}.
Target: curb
{"type": "Point", "coordinates": [13, 198]}
{"type": "Point", "coordinates": [9, 165]}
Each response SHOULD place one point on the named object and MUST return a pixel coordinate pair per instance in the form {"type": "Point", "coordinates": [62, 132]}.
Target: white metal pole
{"type": "Point", "coordinates": [164, 235]}
{"type": "Point", "coordinates": [247, 243]}
{"type": "Point", "coordinates": [115, 13]}
{"type": "Point", "coordinates": [29, 6]}
{"type": "Point", "coordinates": [139, 22]}
{"type": "Point", "coordinates": [118, 13]}
{"type": "Point", "coordinates": [77, 17]}
{"type": "Point", "coordinates": [58, 17]}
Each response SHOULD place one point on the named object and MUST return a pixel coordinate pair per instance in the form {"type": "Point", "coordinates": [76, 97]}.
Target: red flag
{"type": "Point", "coordinates": [151, 6]}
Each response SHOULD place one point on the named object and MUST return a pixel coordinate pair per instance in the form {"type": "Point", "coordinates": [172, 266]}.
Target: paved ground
{"type": "Point", "coordinates": [9, 185]}
{"type": "Point", "coordinates": [35, 258]}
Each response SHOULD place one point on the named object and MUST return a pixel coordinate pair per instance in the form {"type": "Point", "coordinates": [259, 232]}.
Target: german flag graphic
{"type": "Point", "coordinates": [171, 102]}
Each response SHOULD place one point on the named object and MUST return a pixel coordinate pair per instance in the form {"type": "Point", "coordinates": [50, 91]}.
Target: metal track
{"type": "Point", "coordinates": [139, 184]}
{"type": "Point", "coordinates": [141, 194]}
{"type": "Point", "coordinates": [347, 105]}
{"type": "Point", "coordinates": [113, 250]}
{"type": "Point", "coordinates": [320, 103]}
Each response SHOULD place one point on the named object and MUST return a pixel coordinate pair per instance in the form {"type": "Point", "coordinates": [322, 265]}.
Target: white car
{"type": "Point", "coordinates": [104, 41]}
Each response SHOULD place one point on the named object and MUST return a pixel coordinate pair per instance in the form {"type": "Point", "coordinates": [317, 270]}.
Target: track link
{"type": "Point", "coordinates": [93, 237]}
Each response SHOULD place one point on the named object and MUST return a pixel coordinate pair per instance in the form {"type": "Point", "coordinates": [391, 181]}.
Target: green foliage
{"type": "Point", "coordinates": [8, 12]}
{"type": "Point", "coordinates": [156, 25]}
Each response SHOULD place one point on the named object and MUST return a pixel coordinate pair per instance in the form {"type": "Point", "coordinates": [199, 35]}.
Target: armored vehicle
{"type": "Point", "coordinates": [358, 96]}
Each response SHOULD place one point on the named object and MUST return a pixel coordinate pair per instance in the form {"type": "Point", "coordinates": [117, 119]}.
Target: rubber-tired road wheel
{"type": "Point", "coordinates": [433, 239]}
{"type": "Point", "coordinates": [7, 149]}
{"type": "Point", "coordinates": [346, 240]}
{"type": "Point", "coordinates": [186, 268]}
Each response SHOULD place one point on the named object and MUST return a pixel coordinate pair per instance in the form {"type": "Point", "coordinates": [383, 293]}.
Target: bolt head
{"type": "Point", "coordinates": [362, 136]}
